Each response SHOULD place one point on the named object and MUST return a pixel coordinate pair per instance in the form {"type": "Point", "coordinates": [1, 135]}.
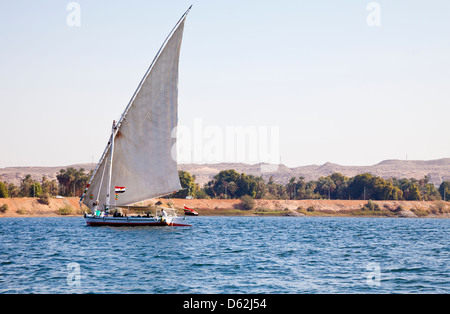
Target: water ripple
{"type": "Point", "coordinates": [227, 255]}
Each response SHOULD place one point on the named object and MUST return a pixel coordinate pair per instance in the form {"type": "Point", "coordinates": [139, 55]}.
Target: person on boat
{"type": "Point", "coordinates": [163, 215]}
{"type": "Point", "coordinates": [95, 206]}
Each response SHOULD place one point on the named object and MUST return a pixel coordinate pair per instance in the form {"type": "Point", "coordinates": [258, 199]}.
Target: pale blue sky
{"type": "Point", "coordinates": [338, 89]}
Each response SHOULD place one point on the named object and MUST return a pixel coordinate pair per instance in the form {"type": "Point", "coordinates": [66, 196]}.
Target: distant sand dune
{"type": "Point", "coordinates": [438, 170]}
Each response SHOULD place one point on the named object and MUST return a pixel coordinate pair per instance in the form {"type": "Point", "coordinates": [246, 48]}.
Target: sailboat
{"type": "Point", "coordinates": [137, 164]}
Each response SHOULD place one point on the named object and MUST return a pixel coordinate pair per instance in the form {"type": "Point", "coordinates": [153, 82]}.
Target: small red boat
{"type": "Point", "coordinates": [189, 212]}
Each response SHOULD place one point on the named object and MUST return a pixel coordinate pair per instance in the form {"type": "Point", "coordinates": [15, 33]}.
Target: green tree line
{"type": "Point", "coordinates": [229, 184]}
{"type": "Point", "coordinates": [69, 182]}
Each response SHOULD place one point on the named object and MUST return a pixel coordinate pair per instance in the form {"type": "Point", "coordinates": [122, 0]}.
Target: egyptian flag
{"type": "Point", "coordinates": [120, 189]}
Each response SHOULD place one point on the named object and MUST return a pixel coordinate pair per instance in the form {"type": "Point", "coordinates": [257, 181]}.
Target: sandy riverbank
{"type": "Point", "coordinates": [31, 207]}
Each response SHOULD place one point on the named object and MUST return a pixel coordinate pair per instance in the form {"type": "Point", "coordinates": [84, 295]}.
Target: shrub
{"type": "Point", "coordinates": [397, 209]}
{"type": "Point", "coordinates": [66, 210]}
{"type": "Point", "coordinates": [440, 206]}
{"type": "Point", "coordinates": [44, 199]}
{"type": "Point", "coordinates": [21, 211]}
{"type": "Point", "coordinates": [371, 206]}
{"type": "Point", "coordinates": [3, 208]}
{"type": "Point", "coordinates": [310, 209]}
{"type": "Point", "coordinates": [420, 212]}
{"type": "Point", "coordinates": [247, 202]}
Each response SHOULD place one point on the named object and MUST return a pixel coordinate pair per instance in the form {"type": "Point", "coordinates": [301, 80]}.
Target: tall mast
{"type": "Point", "coordinates": [108, 192]}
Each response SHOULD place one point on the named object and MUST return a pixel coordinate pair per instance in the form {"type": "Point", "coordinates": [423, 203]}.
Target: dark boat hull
{"type": "Point", "coordinates": [92, 220]}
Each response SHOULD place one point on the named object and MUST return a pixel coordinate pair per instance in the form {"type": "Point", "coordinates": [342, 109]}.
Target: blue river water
{"type": "Point", "coordinates": [227, 255]}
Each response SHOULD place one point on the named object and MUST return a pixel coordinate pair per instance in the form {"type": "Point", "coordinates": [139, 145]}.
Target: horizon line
{"type": "Point", "coordinates": [249, 164]}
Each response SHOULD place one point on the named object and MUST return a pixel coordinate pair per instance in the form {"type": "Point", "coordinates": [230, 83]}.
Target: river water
{"type": "Point", "coordinates": [227, 255]}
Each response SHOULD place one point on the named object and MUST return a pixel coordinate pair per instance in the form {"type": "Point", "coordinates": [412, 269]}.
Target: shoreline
{"type": "Point", "coordinates": [69, 207]}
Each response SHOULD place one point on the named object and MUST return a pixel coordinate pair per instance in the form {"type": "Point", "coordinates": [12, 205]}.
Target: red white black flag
{"type": "Point", "coordinates": [120, 189]}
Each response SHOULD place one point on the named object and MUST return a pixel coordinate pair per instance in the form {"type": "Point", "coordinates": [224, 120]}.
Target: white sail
{"type": "Point", "coordinates": [142, 165]}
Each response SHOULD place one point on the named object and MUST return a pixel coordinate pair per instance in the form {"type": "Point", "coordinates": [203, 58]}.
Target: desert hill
{"type": "Point", "coordinates": [438, 170]}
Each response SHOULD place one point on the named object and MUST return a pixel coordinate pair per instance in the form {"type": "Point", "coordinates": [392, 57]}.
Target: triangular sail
{"type": "Point", "coordinates": [143, 167]}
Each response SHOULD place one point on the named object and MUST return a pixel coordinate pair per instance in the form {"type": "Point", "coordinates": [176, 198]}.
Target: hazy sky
{"type": "Point", "coordinates": [341, 82]}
